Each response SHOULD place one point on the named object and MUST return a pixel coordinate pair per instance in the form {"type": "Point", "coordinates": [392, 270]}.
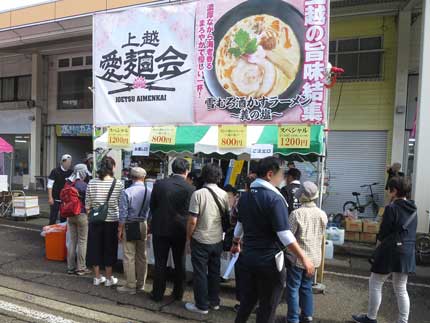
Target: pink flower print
{"type": "Point", "coordinates": [139, 83]}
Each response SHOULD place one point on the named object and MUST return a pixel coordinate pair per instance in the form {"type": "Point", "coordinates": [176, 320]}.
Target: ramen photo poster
{"type": "Point", "coordinates": [261, 61]}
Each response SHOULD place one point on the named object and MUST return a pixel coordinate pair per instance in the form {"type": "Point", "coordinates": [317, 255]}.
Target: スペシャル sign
{"type": "Point", "coordinates": [294, 137]}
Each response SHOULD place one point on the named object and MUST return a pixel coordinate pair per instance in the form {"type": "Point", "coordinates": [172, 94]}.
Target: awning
{"type": "Point", "coordinates": [204, 139]}
{"type": "Point", "coordinates": [5, 147]}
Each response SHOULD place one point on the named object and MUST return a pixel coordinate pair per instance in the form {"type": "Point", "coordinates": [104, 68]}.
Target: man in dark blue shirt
{"type": "Point", "coordinates": [263, 226]}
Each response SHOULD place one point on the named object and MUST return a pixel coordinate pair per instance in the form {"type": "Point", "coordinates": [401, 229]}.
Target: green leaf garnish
{"type": "Point", "coordinates": [251, 47]}
{"type": "Point", "coordinates": [241, 38]}
{"type": "Point", "coordinates": [236, 52]}
{"type": "Point", "coordinates": [245, 45]}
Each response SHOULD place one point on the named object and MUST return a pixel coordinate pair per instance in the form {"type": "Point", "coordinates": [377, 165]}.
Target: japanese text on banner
{"type": "Point", "coordinates": [316, 16]}
{"type": "Point", "coordinates": [143, 57]}
{"type": "Point", "coordinates": [205, 46]}
{"type": "Point", "coordinates": [119, 137]}
{"type": "Point", "coordinates": [232, 136]}
{"type": "Point", "coordinates": [294, 137]}
{"type": "Point", "coordinates": [266, 66]}
{"type": "Point", "coordinates": [163, 135]}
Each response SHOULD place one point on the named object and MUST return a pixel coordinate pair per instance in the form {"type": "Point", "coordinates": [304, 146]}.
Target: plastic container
{"type": "Point", "coordinates": [336, 235]}
{"type": "Point", "coordinates": [55, 246]}
{"type": "Point", "coordinates": [329, 249]}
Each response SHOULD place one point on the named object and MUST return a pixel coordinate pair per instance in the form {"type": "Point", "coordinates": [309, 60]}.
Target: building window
{"type": "Point", "coordinates": [77, 61]}
{"type": "Point", "coordinates": [17, 88]}
{"type": "Point", "coordinates": [64, 62]}
{"type": "Point", "coordinates": [73, 92]}
{"type": "Point", "coordinates": [21, 146]}
{"type": "Point", "coordinates": [361, 58]}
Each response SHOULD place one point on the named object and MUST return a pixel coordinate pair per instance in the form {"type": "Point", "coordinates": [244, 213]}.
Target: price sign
{"type": "Point", "coordinates": [163, 135]}
{"type": "Point", "coordinates": [294, 137]}
{"type": "Point", "coordinates": [119, 137]}
{"type": "Point", "coordinates": [232, 136]}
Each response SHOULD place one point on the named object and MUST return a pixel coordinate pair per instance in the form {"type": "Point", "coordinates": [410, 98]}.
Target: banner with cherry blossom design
{"type": "Point", "coordinates": [261, 61]}
{"type": "Point", "coordinates": [143, 65]}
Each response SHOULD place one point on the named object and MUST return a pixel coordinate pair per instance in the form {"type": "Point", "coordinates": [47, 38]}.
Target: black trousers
{"type": "Point", "coordinates": [206, 260]}
{"type": "Point", "coordinates": [53, 215]}
{"type": "Point", "coordinates": [237, 277]}
{"type": "Point", "coordinates": [263, 285]}
{"type": "Point", "coordinates": [162, 246]}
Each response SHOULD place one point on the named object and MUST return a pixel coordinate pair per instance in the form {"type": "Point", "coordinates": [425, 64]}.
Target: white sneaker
{"type": "Point", "coordinates": [111, 282]}
{"type": "Point", "coordinates": [126, 290]}
{"type": "Point", "coordinates": [193, 308]}
{"type": "Point", "coordinates": [99, 281]}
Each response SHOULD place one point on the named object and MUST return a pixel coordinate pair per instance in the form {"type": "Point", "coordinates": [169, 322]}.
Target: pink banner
{"type": "Point", "coordinates": [261, 61]}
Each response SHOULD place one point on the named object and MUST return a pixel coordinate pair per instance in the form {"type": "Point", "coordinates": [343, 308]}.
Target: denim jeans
{"type": "Point", "coordinates": [299, 295]}
{"type": "Point", "coordinates": [206, 260]}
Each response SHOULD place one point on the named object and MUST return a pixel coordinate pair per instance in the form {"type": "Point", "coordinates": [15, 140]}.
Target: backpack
{"type": "Point", "coordinates": [70, 202]}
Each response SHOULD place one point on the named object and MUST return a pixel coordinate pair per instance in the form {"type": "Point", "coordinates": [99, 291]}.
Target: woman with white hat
{"type": "Point", "coordinates": [78, 224]}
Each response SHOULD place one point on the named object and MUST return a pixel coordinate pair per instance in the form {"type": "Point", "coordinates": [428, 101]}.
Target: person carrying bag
{"type": "Point", "coordinates": [132, 231]}
{"type": "Point", "coordinates": [395, 254]}
{"type": "Point", "coordinates": [102, 204]}
{"type": "Point", "coordinates": [100, 213]}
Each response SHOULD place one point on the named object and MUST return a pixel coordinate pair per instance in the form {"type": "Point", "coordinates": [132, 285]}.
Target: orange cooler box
{"type": "Point", "coordinates": [55, 246]}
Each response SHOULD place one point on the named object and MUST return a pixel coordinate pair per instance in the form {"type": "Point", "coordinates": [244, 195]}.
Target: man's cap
{"type": "Point", "coordinates": [307, 192]}
{"type": "Point", "coordinates": [66, 157]}
{"type": "Point", "coordinates": [137, 172]}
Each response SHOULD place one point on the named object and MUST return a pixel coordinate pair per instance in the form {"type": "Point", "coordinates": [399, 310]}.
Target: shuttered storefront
{"type": "Point", "coordinates": [355, 158]}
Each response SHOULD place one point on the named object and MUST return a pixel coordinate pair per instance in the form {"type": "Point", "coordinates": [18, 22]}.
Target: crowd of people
{"type": "Point", "coordinates": [278, 234]}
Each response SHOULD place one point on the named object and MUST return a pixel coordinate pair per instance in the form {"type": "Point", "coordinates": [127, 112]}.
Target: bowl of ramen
{"type": "Point", "coordinates": [258, 51]}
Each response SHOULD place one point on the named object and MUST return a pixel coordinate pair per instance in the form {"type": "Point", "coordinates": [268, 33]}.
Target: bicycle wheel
{"type": "Point", "coordinates": [350, 208]}
{"type": "Point", "coordinates": [375, 209]}
{"type": "Point", "coordinates": [422, 246]}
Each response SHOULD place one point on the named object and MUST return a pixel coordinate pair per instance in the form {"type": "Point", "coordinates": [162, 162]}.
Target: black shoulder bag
{"type": "Point", "coordinates": [132, 228]}
{"type": "Point", "coordinates": [392, 241]}
{"type": "Point", "coordinates": [99, 214]}
{"type": "Point", "coordinates": [290, 259]}
{"type": "Point", "coordinates": [225, 216]}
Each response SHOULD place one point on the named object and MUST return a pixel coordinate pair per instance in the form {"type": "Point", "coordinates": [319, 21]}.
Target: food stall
{"type": "Point", "coordinates": [224, 79]}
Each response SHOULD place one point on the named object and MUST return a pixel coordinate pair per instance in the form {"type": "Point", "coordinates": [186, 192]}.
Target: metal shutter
{"type": "Point", "coordinates": [355, 158]}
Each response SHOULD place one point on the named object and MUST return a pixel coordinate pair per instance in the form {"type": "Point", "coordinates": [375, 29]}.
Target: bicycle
{"type": "Point", "coordinates": [357, 207]}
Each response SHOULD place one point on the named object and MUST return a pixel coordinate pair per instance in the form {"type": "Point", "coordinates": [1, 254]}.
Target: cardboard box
{"type": "Point", "coordinates": [354, 225]}
{"type": "Point", "coordinates": [25, 201]}
{"type": "Point", "coordinates": [23, 212]}
{"type": "Point", "coordinates": [371, 227]}
{"type": "Point", "coordinates": [368, 237]}
{"type": "Point", "coordinates": [352, 236]}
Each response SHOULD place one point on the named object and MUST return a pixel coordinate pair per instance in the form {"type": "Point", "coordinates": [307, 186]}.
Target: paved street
{"type": "Point", "coordinates": [33, 289]}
